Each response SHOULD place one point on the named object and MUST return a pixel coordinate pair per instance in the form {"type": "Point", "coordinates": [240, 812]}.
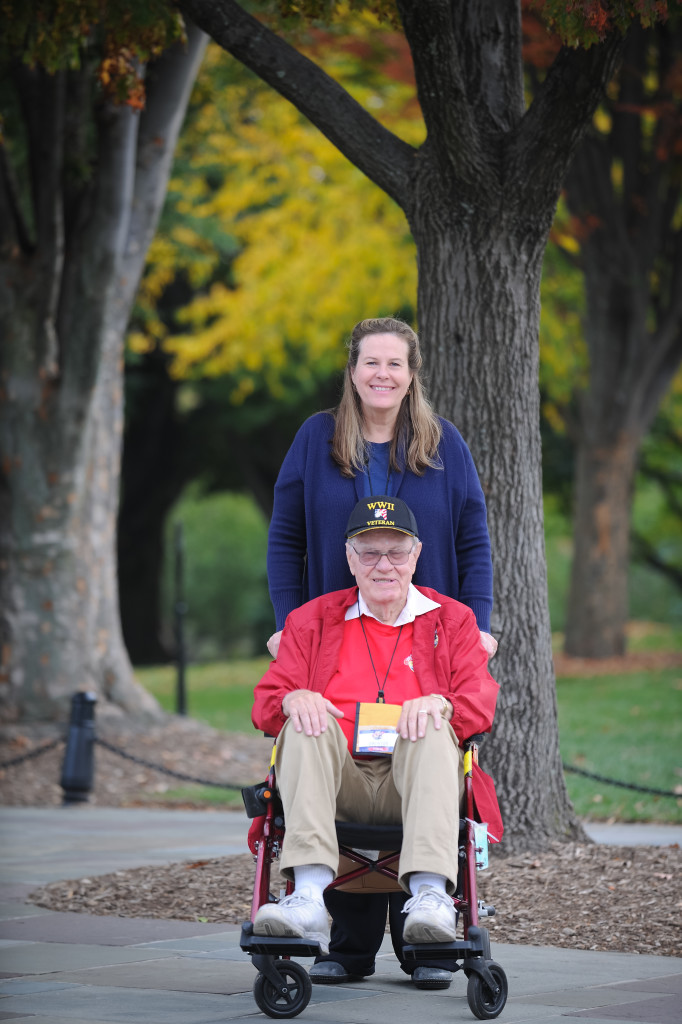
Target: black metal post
{"type": "Point", "coordinates": [78, 767]}
{"type": "Point", "coordinates": [180, 612]}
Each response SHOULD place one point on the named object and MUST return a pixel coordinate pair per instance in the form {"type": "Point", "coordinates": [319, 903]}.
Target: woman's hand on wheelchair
{"type": "Point", "coordinates": [308, 711]}
{"type": "Point", "coordinates": [273, 643]}
{"type": "Point", "coordinates": [489, 643]}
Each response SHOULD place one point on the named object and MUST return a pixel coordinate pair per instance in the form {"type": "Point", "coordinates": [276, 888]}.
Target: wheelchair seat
{"type": "Point", "coordinates": [369, 837]}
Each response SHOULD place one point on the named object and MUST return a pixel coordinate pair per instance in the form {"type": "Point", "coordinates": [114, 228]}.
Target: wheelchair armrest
{"type": "Point", "coordinates": [256, 799]}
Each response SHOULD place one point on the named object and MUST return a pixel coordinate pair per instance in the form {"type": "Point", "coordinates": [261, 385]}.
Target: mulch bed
{"type": "Point", "coordinates": [614, 899]}
{"type": "Point", "coordinates": [182, 745]}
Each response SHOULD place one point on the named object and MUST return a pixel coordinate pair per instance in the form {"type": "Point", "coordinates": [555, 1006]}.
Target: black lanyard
{"type": "Point", "coordinates": [380, 694]}
{"type": "Point", "coordinates": [388, 479]}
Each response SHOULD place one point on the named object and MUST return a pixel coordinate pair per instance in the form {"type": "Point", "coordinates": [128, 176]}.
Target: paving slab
{"type": "Point", "coordinates": [633, 833]}
{"type": "Point", "coordinates": [172, 975]}
{"type": "Point", "coordinates": [28, 958]}
{"type": "Point", "coordinates": [59, 967]}
{"type": "Point", "coordinates": [47, 844]}
{"type": "Point", "coordinates": [119, 1006]}
{"type": "Point", "coordinates": [56, 926]}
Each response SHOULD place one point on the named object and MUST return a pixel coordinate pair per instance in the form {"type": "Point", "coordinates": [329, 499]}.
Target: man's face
{"type": "Point", "coordinates": [383, 583]}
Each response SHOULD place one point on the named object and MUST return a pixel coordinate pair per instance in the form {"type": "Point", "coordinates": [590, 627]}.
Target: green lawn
{"type": "Point", "coordinates": [629, 728]}
{"type": "Point", "coordinates": [626, 727]}
{"type": "Point", "coordinates": [219, 693]}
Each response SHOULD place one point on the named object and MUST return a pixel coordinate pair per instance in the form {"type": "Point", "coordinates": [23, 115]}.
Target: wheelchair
{"type": "Point", "coordinates": [283, 988]}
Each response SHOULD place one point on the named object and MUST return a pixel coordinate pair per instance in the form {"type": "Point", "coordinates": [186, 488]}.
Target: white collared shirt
{"type": "Point", "coordinates": [416, 604]}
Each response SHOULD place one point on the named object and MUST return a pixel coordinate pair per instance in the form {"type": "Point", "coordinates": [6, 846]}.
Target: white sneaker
{"type": "Point", "coordinates": [299, 916]}
{"type": "Point", "coordinates": [430, 917]}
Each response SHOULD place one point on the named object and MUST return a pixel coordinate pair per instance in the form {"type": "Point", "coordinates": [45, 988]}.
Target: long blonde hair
{"type": "Point", "coordinates": [417, 428]}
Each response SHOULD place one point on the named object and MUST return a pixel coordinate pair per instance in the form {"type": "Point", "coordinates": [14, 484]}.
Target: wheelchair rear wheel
{"type": "Point", "coordinates": [290, 1002]}
{"type": "Point", "coordinates": [483, 1002]}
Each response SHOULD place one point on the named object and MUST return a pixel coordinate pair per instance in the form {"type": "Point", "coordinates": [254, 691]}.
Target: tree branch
{"type": "Point", "coordinates": [626, 111]}
{"type": "Point", "coordinates": [664, 347]}
{"type": "Point", "coordinates": [468, 63]}
{"type": "Point", "coordinates": [667, 482]}
{"type": "Point", "coordinates": [42, 99]}
{"type": "Point", "coordinates": [169, 83]}
{"type": "Point", "coordinates": [93, 260]}
{"type": "Point", "coordinates": [13, 227]}
{"type": "Point", "coordinates": [589, 188]}
{"type": "Point", "coordinates": [451, 127]}
{"type": "Point", "coordinates": [645, 551]}
{"type": "Point", "coordinates": [380, 154]}
{"type": "Point", "coordinates": [557, 118]}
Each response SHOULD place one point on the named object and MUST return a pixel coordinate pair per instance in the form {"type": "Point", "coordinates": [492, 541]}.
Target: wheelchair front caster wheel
{"type": "Point", "coordinates": [295, 997]}
{"type": "Point", "coordinates": [484, 1002]}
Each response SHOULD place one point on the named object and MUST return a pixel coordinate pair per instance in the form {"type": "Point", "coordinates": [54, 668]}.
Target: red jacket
{"type": "Point", "coordinates": [447, 654]}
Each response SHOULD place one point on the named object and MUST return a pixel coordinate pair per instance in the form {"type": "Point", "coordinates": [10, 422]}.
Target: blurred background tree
{"type": "Point", "coordinates": [623, 192]}
{"type": "Point", "coordinates": [92, 99]}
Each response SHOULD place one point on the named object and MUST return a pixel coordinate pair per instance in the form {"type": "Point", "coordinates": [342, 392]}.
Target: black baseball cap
{"type": "Point", "coordinates": [381, 512]}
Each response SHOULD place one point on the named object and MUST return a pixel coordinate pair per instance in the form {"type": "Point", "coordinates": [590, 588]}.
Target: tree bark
{"type": "Point", "coordinates": [65, 298]}
{"type": "Point", "coordinates": [478, 288]}
{"type": "Point", "coordinates": [598, 600]}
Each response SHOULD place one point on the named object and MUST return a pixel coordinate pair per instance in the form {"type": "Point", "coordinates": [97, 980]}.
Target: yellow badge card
{"type": "Point", "coordinates": [375, 729]}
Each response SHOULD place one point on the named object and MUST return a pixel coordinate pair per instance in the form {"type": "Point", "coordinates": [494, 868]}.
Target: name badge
{"type": "Point", "coordinates": [375, 729]}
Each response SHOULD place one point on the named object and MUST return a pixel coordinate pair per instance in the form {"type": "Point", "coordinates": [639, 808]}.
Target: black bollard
{"type": "Point", "coordinates": [78, 766]}
{"type": "Point", "coordinates": [180, 613]}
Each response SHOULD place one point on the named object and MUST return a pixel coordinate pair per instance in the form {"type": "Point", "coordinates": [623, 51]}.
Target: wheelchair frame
{"type": "Point", "coordinates": [283, 989]}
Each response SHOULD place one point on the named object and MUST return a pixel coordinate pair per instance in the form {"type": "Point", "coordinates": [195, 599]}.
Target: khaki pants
{"type": "Point", "coordinates": [420, 785]}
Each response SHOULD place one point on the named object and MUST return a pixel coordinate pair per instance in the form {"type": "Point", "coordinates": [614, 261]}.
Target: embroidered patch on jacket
{"type": "Point", "coordinates": [408, 661]}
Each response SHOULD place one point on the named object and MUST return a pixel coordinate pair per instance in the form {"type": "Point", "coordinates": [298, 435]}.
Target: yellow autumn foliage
{"type": "Point", "coordinates": [563, 353]}
{"type": "Point", "coordinates": [318, 246]}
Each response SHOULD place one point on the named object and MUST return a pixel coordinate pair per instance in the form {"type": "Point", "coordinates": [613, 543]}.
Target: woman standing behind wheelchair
{"type": "Point", "coordinates": [383, 438]}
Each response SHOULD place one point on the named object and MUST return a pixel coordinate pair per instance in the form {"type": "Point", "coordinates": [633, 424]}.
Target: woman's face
{"type": "Point", "coordinates": [382, 375]}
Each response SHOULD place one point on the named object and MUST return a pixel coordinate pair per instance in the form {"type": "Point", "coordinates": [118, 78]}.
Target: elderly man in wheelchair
{"type": "Point", "coordinates": [373, 692]}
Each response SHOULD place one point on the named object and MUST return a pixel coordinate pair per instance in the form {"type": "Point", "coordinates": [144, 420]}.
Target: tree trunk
{"type": "Point", "coordinates": [155, 467]}
{"type": "Point", "coordinates": [479, 289]}
{"type": "Point", "coordinates": [64, 304]}
{"type": "Point", "coordinates": [598, 599]}
{"type": "Point", "coordinates": [58, 594]}
{"type": "Point", "coordinates": [624, 190]}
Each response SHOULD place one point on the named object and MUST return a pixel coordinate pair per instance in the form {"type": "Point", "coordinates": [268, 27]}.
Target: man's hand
{"type": "Point", "coordinates": [308, 711]}
{"type": "Point", "coordinates": [489, 642]}
{"type": "Point", "coordinates": [273, 643]}
{"type": "Point", "coordinates": [414, 716]}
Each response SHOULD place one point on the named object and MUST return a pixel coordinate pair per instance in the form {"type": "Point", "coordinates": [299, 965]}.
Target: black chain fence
{"type": "Point", "coordinates": [167, 771]}
{"type": "Point", "coordinates": [32, 753]}
{"type": "Point", "coordinates": [623, 785]}
{"type": "Point", "coordinates": [184, 777]}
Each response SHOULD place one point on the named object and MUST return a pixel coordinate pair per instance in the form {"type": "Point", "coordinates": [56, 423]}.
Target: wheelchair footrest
{"type": "Point", "coordinates": [269, 945]}
{"type": "Point", "coordinates": [443, 950]}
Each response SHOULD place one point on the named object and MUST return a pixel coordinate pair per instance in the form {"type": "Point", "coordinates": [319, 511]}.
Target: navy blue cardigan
{"type": "Point", "coordinates": [306, 548]}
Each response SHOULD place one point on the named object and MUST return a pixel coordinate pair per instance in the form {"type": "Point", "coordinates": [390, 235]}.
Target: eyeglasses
{"type": "Point", "coordinates": [397, 557]}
